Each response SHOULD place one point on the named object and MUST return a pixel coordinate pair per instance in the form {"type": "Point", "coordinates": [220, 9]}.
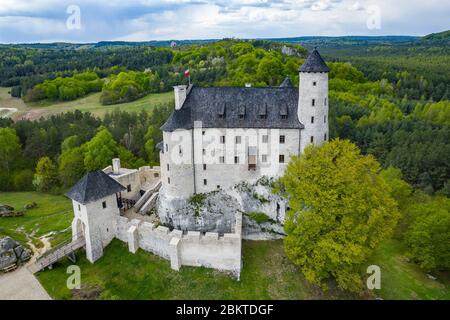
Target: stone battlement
{"type": "Point", "coordinates": [191, 248]}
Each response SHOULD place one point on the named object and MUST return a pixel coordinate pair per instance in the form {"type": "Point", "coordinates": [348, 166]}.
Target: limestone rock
{"type": "Point", "coordinates": [215, 211]}
{"type": "Point", "coordinates": [30, 206]}
{"type": "Point", "coordinates": [8, 211]}
{"type": "Point", "coordinates": [12, 253]}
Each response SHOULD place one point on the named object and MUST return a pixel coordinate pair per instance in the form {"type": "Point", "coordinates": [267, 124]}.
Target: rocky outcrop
{"type": "Point", "coordinates": [263, 211]}
{"type": "Point", "coordinates": [7, 211]}
{"type": "Point", "coordinates": [12, 253]}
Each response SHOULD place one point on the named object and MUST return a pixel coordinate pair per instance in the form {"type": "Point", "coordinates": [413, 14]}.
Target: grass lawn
{"type": "Point", "coordinates": [89, 103]}
{"type": "Point", "coordinates": [53, 213]}
{"type": "Point", "coordinates": [401, 279]}
{"type": "Point", "coordinates": [119, 274]}
{"type": "Point", "coordinates": [267, 274]}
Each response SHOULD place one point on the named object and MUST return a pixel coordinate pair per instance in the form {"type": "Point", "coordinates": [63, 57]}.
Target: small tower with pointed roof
{"type": "Point", "coordinates": [313, 100]}
{"type": "Point", "coordinates": [96, 208]}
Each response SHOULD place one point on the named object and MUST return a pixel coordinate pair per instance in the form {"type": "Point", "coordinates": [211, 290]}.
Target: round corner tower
{"type": "Point", "coordinates": [313, 101]}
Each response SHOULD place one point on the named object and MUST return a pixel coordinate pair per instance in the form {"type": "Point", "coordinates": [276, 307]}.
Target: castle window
{"type": "Point", "coordinates": [104, 204]}
{"type": "Point", "coordinates": [218, 186]}
{"type": "Point", "coordinates": [325, 119]}
{"type": "Point", "coordinates": [325, 101]}
{"type": "Point", "coordinates": [312, 119]}
{"type": "Point", "coordinates": [168, 180]}
{"type": "Point", "coordinates": [241, 116]}
{"type": "Point", "coordinates": [205, 182]}
{"type": "Point", "coordinates": [204, 166]}
{"type": "Point", "coordinates": [168, 167]}
{"type": "Point", "coordinates": [222, 159]}
{"type": "Point", "coordinates": [204, 151]}
{"type": "Point", "coordinates": [312, 139]}
{"type": "Point", "coordinates": [236, 160]}
{"type": "Point", "coordinates": [313, 102]}
{"type": "Point", "coordinates": [238, 139]}
{"type": "Point", "coordinates": [265, 138]}
{"type": "Point", "coordinates": [79, 208]}
{"type": "Point", "coordinates": [180, 150]}
{"type": "Point", "coordinates": [282, 139]}
{"type": "Point", "coordinates": [325, 137]}
{"type": "Point", "coordinates": [281, 158]}
{"type": "Point", "coordinates": [284, 116]}
{"type": "Point", "coordinates": [222, 139]}
{"type": "Point", "coordinates": [203, 132]}
{"type": "Point", "coordinates": [129, 188]}
{"type": "Point", "coordinates": [167, 147]}
{"type": "Point", "coordinates": [263, 116]}
{"type": "Point", "coordinates": [264, 158]}
{"type": "Point", "coordinates": [314, 83]}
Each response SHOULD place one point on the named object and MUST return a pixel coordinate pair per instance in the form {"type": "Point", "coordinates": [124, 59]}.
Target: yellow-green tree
{"type": "Point", "coordinates": [340, 211]}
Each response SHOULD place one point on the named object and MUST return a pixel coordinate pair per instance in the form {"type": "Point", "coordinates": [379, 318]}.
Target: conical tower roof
{"type": "Point", "coordinates": [93, 186]}
{"type": "Point", "coordinates": [314, 63]}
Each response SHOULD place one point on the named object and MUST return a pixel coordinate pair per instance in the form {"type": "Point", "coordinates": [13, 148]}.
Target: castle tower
{"type": "Point", "coordinates": [96, 209]}
{"type": "Point", "coordinates": [313, 101]}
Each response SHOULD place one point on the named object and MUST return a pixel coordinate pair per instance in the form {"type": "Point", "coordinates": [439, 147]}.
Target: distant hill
{"type": "Point", "coordinates": [442, 38]}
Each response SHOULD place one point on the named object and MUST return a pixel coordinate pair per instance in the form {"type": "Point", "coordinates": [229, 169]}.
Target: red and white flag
{"type": "Point", "coordinates": [187, 73]}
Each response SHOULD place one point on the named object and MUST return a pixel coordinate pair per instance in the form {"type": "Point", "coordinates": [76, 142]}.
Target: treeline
{"type": "Point", "coordinates": [24, 68]}
{"type": "Point", "coordinates": [52, 154]}
{"type": "Point", "coordinates": [409, 135]}
{"type": "Point", "coordinates": [65, 89]}
{"type": "Point", "coordinates": [415, 70]}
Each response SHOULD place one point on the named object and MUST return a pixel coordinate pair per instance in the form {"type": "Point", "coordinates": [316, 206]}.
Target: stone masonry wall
{"type": "Point", "coordinates": [222, 252]}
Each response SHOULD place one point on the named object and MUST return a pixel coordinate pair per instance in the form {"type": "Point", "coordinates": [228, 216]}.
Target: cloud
{"type": "Point", "coordinates": [44, 20]}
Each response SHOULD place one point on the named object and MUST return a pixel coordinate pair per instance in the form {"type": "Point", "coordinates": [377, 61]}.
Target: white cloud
{"type": "Point", "coordinates": [36, 20]}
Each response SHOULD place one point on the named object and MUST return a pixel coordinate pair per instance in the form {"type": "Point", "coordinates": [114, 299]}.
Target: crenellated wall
{"type": "Point", "coordinates": [222, 252]}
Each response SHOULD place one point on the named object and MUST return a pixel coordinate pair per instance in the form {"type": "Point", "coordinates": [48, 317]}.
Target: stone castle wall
{"type": "Point", "coordinates": [222, 252]}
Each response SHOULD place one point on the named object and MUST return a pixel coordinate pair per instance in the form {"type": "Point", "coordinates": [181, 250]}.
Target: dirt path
{"type": "Point", "coordinates": [21, 285]}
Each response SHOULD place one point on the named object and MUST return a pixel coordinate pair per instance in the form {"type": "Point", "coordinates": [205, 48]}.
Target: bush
{"type": "Point", "coordinates": [23, 180]}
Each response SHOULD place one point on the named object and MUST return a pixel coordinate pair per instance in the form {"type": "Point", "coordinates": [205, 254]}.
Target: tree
{"type": "Point", "coordinates": [71, 166]}
{"type": "Point", "coordinates": [46, 176]}
{"type": "Point", "coordinates": [10, 151]}
{"type": "Point", "coordinates": [341, 210]}
{"type": "Point", "coordinates": [100, 150]}
{"type": "Point", "coordinates": [23, 180]}
{"type": "Point", "coordinates": [70, 143]}
{"type": "Point", "coordinates": [428, 235]}
{"type": "Point", "coordinates": [400, 189]}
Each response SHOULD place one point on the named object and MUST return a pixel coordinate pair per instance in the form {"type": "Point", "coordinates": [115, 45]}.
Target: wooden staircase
{"type": "Point", "coordinates": [53, 255]}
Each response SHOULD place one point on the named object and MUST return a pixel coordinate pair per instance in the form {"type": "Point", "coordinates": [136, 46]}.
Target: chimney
{"type": "Point", "coordinates": [180, 96]}
{"type": "Point", "coordinates": [116, 166]}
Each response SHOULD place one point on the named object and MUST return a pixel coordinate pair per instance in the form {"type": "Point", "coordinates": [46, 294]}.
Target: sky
{"type": "Point", "coordinates": [84, 21]}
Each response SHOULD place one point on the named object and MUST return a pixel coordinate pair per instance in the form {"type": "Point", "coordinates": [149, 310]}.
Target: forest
{"type": "Point", "coordinates": [388, 100]}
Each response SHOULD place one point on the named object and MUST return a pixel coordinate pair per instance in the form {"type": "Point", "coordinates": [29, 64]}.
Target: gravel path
{"type": "Point", "coordinates": [21, 285]}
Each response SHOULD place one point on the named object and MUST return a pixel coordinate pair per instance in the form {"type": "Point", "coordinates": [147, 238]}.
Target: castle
{"type": "Point", "coordinates": [219, 136]}
{"type": "Point", "coordinates": [215, 138]}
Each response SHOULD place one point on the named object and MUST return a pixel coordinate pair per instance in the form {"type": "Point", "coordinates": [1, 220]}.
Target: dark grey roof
{"type": "Point", "coordinates": [287, 83]}
{"type": "Point", "coordinates": [160, 146]}
{"type": "Point", "coordinates": [93, 186]}
{"type": "Point", "coordinates": [314, 63]}
{"type": "Point", "coordinates": [223, 107]}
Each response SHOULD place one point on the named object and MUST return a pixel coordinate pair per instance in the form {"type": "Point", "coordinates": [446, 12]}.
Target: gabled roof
{"type": "Point", "coordinates": [314, 63]}
{"type": "Point", "coordinates": [94, 186]}
{"type": "Point", "coordinates": [205, 105]}
{"type": "Point", "coordinates": [287, 83]}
